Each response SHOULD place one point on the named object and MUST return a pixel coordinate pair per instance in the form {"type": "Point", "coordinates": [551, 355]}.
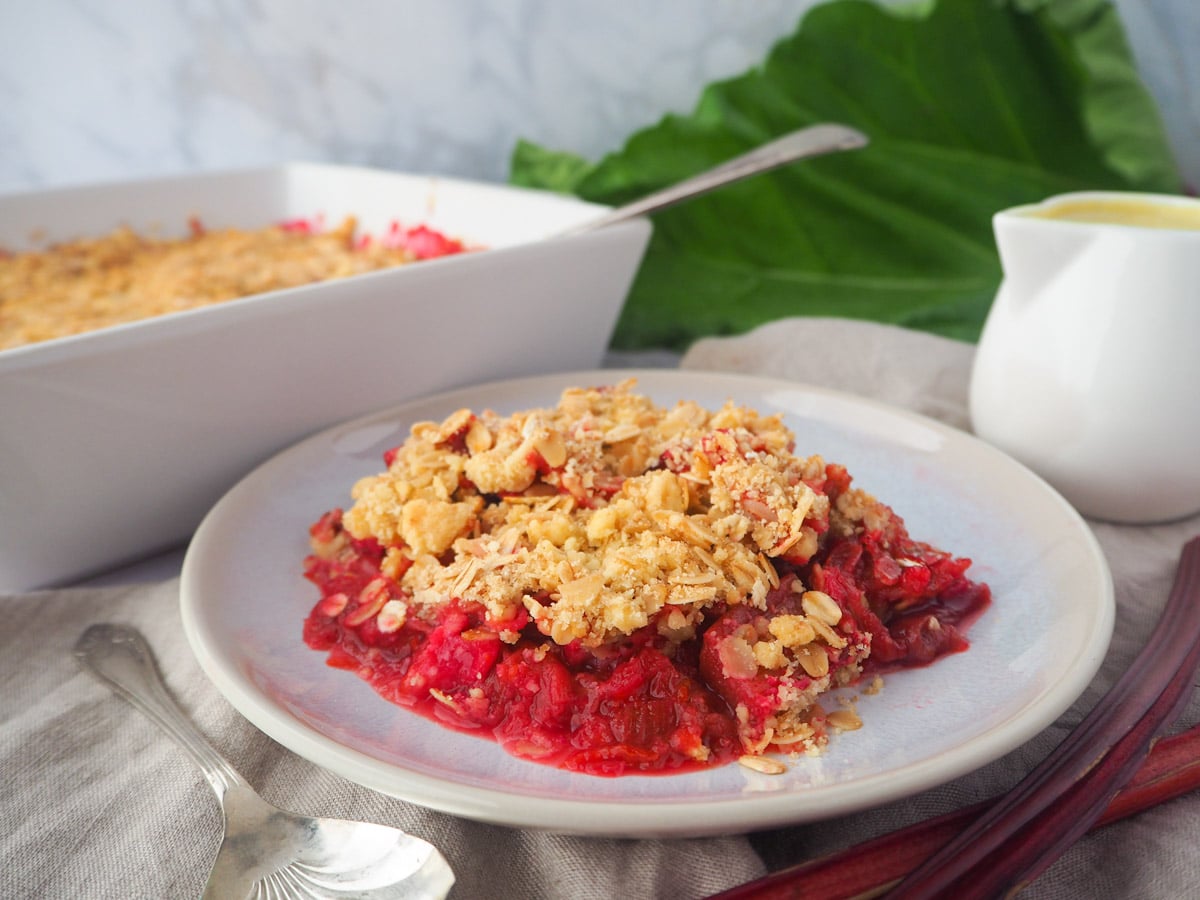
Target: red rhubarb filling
{"type": "Point", "coordinates": [505, 600]}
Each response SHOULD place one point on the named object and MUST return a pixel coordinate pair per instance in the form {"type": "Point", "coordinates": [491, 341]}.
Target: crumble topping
{"type": "Point", "coordinates": [597, 515]}
{"type": "Point", "coordinates": [92, 283]}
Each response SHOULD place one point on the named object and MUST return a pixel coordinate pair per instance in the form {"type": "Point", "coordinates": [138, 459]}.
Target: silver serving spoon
{"type": "Point", "coordinates": [267, 852]}
{"type": "Point", "coordinates": [816, 140]}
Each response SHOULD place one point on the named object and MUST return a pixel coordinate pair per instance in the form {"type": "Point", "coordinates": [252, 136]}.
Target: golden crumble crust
{"type": "Point", "coordinates": [597, 516]}
{"type": "Point", "coordinates": [88, 284]}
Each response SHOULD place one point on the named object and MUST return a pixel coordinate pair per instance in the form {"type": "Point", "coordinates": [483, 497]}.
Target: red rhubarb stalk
{"type": "Point", "coordinates": [868, 869]}
{"type": "Point", "coordinates": [1172, 769]}
{"type": "Point", "coordinates": [1070, 792]}
{"type": "Point", "coordinates": [1030, 827]}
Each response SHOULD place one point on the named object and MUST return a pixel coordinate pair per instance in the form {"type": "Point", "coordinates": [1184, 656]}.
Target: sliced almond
{"type": "Point", "coordinates": [622, 432]}
{"type": "Point", "coordinates": [819, 605]}
{"type": "Point", "coordinates": [812, 659]}
{"type": "Point", "coordinates": [551, 448]}
{"type": "Point", "coordinates": [763, 764]}
{"type": "Point", "coordinates": [844, 720]}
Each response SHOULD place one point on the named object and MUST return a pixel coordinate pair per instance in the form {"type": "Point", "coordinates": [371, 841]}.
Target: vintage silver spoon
{"type": "Point", "coordinates": [815, 140]}
{"type": "Point", "coordinates": [267, 852]}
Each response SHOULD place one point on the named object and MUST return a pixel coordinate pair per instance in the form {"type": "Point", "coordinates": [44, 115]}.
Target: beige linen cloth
{"type": "Point", "coordinates": [97, 802]}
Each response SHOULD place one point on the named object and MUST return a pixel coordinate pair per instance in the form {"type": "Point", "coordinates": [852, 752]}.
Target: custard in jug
{"type": "Point", "coordinates": [1088, 366]}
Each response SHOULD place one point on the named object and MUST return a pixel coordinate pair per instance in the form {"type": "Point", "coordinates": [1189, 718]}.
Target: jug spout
{"type": "Point", "coordinates": [1039, 242]}
{"type": "Point", "coordinates": [1033, 252]}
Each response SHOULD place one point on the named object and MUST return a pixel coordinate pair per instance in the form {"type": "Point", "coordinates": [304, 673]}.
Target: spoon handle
{"type": "Point", "coordinates": [816, 140]}
{"type": "Point", "coordinates": [120, 657]}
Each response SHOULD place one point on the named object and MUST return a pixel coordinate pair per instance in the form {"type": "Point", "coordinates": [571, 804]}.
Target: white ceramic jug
{"type": "Point", "coordinates": [1088, 367]}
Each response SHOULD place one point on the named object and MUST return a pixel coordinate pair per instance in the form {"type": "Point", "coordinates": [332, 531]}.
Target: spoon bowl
{"type": "Point", "coordinates": [266, 851]}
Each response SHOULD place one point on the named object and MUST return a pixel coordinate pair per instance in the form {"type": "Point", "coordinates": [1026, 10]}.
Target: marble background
{"type": "Point", "coordinates": [94, 90]}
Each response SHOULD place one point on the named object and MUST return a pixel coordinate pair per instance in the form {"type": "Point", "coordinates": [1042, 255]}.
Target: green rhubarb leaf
{"type": "Point", "coordinates": [534, 166]}
{"type": "Point", "coordinates": [971, 106]}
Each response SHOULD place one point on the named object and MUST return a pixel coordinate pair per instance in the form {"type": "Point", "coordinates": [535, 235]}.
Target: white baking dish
{"type": "Point", "coordinates": [113, 444]}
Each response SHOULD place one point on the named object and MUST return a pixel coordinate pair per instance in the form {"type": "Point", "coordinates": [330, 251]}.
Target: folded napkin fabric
{"type": "Point", "coordinates": [99, 803]}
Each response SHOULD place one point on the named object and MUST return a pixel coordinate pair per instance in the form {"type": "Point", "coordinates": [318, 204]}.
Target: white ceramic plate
{"type": "Point", "coordinates": [1033, 652]}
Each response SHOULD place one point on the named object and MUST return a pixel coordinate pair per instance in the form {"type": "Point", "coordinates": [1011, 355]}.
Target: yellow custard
{"type": "Point", "coordinates": [1134, 211]}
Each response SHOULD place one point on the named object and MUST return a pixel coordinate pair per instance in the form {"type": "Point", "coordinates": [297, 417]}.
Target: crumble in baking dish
{"type": "Point", "coordinates": [92, 283]}
{"type": "Point", "coordinates": [611, 587]}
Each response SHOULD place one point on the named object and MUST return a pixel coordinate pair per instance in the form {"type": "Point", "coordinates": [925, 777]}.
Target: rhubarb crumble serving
{"type": "Point", "coordinates": [614, 587]}
{"type": "Point", "coordinates": [124, 276]}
